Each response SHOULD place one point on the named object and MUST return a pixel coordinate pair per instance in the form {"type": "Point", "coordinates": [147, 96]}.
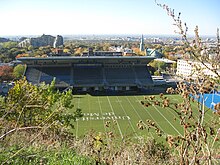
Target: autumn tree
{"type": "Point", "coordinates": [138, 52]}
{"type": "Point", "coordinates": [6, 73]}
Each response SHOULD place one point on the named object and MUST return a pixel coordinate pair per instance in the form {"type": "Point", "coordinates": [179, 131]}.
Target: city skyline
{"type": "Point", "coordinates": [66, 17]}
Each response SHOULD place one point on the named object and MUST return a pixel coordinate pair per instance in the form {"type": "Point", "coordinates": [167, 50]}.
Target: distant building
{"type": "Point", "coordinates": [142, 43]}
{"type": "Point", "coordinates": [58, 41]}
{"type": "Point", "coordinates": [4, 39]}
{"type": "Point", "coordinates": [101, 53]}
{"type": "Point", "coordinates": [44, 40]}
{"type": "Point", "coordinates": [116, 48]}
{"type": "Point", "coordinates": [154, 53]}
{"type": "Point", "coordinates": [157, 41]}
{"type": "Point", "coordinates": [126, 51]}
{"type": "Point", "coordinates": [187, 68]}
{"type": "Point", "coordinates": [165, 60]}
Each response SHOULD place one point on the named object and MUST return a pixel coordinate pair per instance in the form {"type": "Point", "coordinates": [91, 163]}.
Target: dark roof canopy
{"type": "Point", "coordinates": [85, 59]}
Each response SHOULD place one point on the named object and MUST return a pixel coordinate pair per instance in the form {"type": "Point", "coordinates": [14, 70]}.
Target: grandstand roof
{"type": "Point", "coordinates": [91, 59]}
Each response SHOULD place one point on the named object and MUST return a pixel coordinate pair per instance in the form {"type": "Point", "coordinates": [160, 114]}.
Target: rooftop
{"type": "Point", "coordinates": [85, 59]}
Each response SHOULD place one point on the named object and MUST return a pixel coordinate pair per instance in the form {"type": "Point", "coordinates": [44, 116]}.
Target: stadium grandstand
{"type": "Point", "coordinates": [90, 73]}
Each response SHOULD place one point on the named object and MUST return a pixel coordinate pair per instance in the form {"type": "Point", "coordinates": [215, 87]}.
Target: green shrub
{"type": "Point", "coordinates": [33, 155]}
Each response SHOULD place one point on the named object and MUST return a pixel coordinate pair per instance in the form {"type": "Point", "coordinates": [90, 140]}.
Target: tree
{"type": "Point", "coordinates": [6, 73]}
{"type": "Point", "coordinates": [39, 112]}
{"type": "Point", "coordinates": [30, 48]}
{"type": "Point", "coordinates": [161, 65]}
{"type": "Point", "coordinates": [10, 44]}
{"type": "Point", "coordinates": [36, 104]}
{"type": "Point", "coordinates": [158, 65]}
{"type": "Point", "coordinates": [138, 52]}
{"type": "Point", "coordinates": [157, 73]}
{"type": "Point", "coordinates": [18, 71]}
{"type": "Point", "coordinates": [79, 51]}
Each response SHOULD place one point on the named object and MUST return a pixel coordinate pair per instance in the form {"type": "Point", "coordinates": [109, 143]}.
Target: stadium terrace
{"type": "Point", "coordinates": [90, 73]}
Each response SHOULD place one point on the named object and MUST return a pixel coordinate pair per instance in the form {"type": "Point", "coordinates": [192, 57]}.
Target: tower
{"type": "Point", "coordinates": [142, 43]}
{"type": "Point", "coordinates": [58, 41]}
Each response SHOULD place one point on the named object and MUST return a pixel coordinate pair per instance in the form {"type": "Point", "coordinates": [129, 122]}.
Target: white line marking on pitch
{"type": "Point", "coordinates": [196, 116]}
{"type": "Point", "coordinates": [193, 105]}
{"type": "Point", "coordinates": [168, 121]}
{"type": "Point", "coordinates": [101, 113]}
{"type": "Point", "coordinates": [127, 115]}
{"type": "Point", "coordinates": [149, 114]}
{"type": "Point", "coordinates": [173, 113]}
{"type": "Point", "coordinates": [89, 109]}
{"type": "Point", "coordinates": [77, 126]}
{"type": "Point", "coordinates": [137, 113]}
{"type": "Point", "coordinates": [115, 120]}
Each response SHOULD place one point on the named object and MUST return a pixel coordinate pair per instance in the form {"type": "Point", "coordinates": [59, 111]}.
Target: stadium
{"type": "Point", "coordinates": [111, 75]}
{"type": "Point", "coordinates": [91, 73]}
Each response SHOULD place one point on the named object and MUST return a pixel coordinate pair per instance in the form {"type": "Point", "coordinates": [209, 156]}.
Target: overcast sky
{"type": "Point", "coordinates": [36, 17]}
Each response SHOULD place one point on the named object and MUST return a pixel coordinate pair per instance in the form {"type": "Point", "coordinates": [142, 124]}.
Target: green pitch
{"type": "Point", "coordinates": [125, 112]}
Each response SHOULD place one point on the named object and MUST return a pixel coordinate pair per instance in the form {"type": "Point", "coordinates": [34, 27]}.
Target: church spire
{"type": "Point", "coordinates": [142, 43]}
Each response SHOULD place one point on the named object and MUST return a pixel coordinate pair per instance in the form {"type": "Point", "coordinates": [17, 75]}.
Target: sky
{"type": "Point", "coordinates": [72, 17]}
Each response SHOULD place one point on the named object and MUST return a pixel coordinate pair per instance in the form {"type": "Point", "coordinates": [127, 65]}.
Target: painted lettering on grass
{"type": "Point", "coordinates": [103, 116]}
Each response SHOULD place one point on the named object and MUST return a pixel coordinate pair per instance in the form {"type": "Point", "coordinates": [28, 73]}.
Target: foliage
{"type": "Point", "coordinates": [29, 105]}
{"type": "Point", "coordinates": [196, 51]}
{"type": "Point", "coordinates": [138, 52]}
{"type": "Point", "coordinates": [198, 143]}
{"type": "Point", "coordinates": [30, 48]}
{"type": "Point", "coordinates": [6, 73]}
{"type": "Point", "coordinates": [109, 148]}
{"type": "Point", "coordinates": [158, 65]}
{"type": "Point", "coordinates": [174, 65]}
{"type": "Point", "coordinates": [43, 155]}
{"type": "Point", "coordinates": [31, 112]}
{"type": "Point", "coordinates": [9, 51]}
{"type": "Point", "coordinates": [22, 55]}
{"type": "Point", "coordinates": [157, 73]}
{"type": "Point", "coordinates": [18, 71]}
{"type": "Point", "coordinates": [9, 44]}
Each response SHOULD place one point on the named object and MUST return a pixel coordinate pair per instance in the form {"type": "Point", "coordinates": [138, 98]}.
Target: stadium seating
{"type": "Point", "coordinates": [83, 75]}
{"type": "Point", "coordinates": [32, 75]}
{"type": "Point", "coordinates": [87, 75]}
{"type": "Point", "coordinates": [120, 75]}
{"type": "Point", "coordinates": [61, 74]}
{"type": "Point", "coordinates": [143, 76]}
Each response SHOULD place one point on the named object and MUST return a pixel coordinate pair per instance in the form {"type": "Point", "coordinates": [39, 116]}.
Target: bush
{"type": "Point", "coordinates": [32, 116]}
{"type": "Point", "coordinates": [33, 155]}
{"type": "Point", "coordinates": [109, 148]}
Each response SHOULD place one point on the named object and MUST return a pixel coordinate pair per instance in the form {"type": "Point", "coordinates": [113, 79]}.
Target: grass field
{"type": "Point", "coordinates": [126, 111]}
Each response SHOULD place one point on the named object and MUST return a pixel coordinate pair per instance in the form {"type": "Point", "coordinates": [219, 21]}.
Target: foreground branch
{"type": "Point", "coordinates": [19, 129]}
